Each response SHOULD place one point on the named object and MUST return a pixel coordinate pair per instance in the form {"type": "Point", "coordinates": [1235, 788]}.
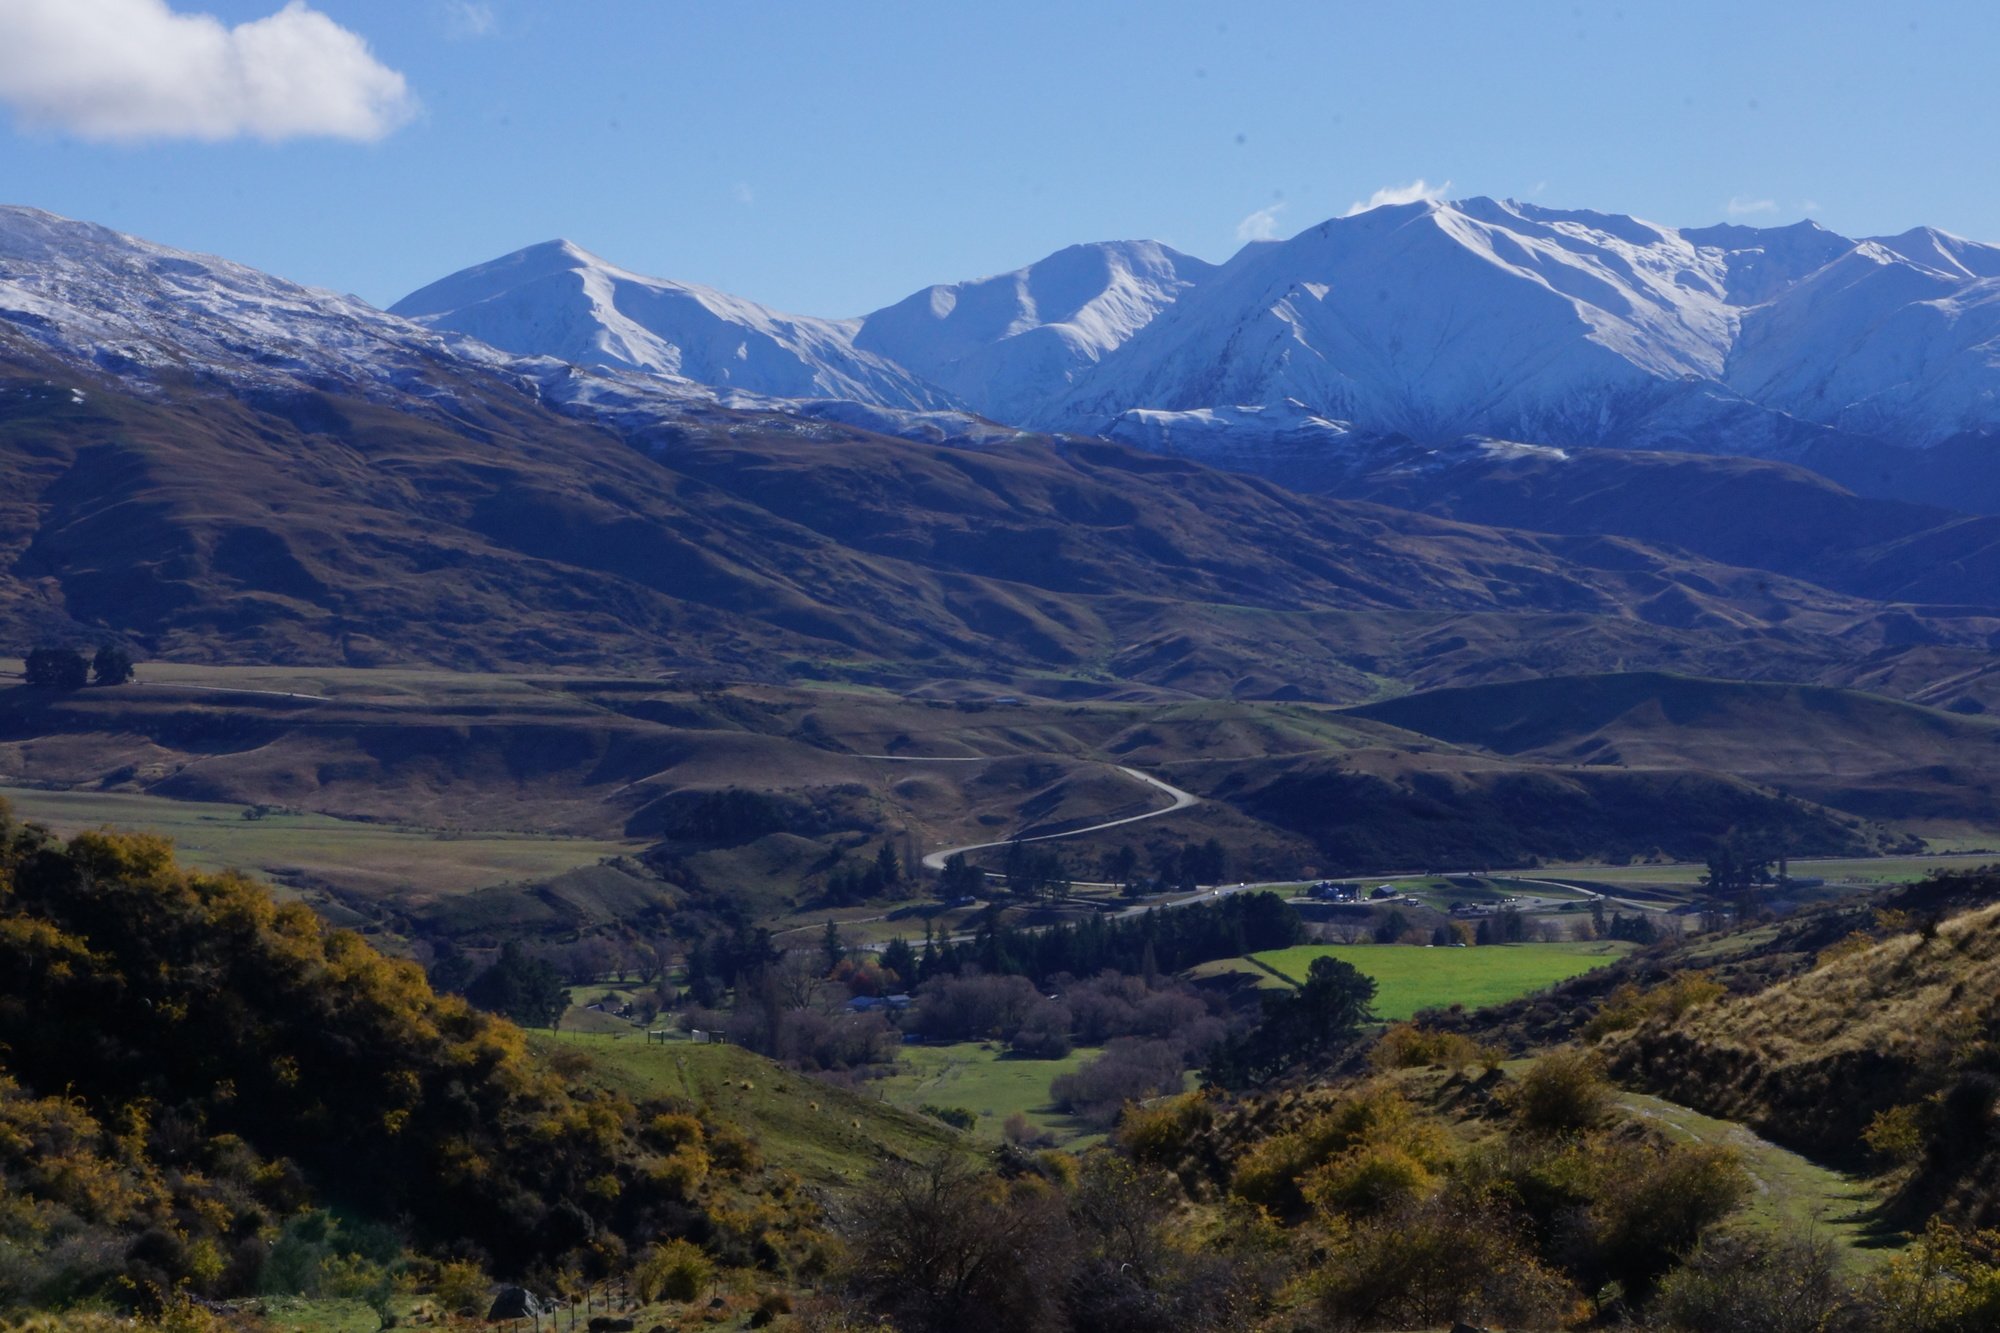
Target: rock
{"type": "Point", "coordinates": [517, 1303]}
{"type": "Point", "coordinates": [1462, 1327]}
{"type": "Point", "coordinates": [605, 1323]}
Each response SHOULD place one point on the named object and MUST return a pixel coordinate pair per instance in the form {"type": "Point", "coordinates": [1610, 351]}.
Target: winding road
{"type": "Point", "coordinates": [935, 860]}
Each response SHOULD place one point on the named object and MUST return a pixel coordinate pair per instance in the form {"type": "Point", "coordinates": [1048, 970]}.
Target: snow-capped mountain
{"type": "Point", "coordinates": [151, 315]}
{"type": "Point", "coordinates": [146, 312]}
{"type": "Point", "coordinates": [1431, 321]}
{"type": "Point", "coordinates": [1443, 320]}
{"type": "Point", "coordinates": [1004, 344]}
{"type": "Point", "coordinates": [557, 300]}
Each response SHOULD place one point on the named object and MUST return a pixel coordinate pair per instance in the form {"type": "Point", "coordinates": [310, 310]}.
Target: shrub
{"type": "Point", "coordinates": [1628, 1006]}
{"type": "Point", "coordinates": [460, 1287]}
{"type": "Point", "coordinates": [943, 1247]}
{"type": "Point", "coordinates": [1369, 1179]}
{"type": "Point", "coordinates": [1897, 1134]}
{"type": "Point", "coordinates": [1160, 1134]}
{"type": "Point", "coordinates": [675, 1270]}
{"type": "Point", "coordinates": [955, 1116]}
{"type": "Point", "coordinates": [1022, 1132]}
{"type": "Point", "coordinates": [682, 1171]}
{"type": "Point", "coordinates": [1949, 1282]}
{"type": "Point", "coordinates": [1407, 1046]}
{"type": "Point", "coordinates": [1746, 1286]}
{"type": "Point", "coordinates": [1652, 1208]}
{"type": "Point", "coordinates": [1563, 1093]}
{"type": "Point", "coordinates": [674, 1130]}
{"type": "Point", "coordinates": [1272, 1173]}
{"type": "Point", "coordinates": [1434, 1263]}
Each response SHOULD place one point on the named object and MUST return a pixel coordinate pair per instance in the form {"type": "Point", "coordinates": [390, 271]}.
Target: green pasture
{"type": "Point", "coordinates": [1411, 977]}
{"type": "Point", "coordinates": [989, 1082]}
{"type": "Point", "coordinates": [827, 1134]}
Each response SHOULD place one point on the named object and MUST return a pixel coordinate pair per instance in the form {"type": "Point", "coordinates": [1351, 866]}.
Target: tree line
{"type": "Point", "coordinates": [68, 669]}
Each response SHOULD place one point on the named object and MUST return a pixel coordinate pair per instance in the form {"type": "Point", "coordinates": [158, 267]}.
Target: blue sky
{"type": "Point", "coordinates": [828, 158]}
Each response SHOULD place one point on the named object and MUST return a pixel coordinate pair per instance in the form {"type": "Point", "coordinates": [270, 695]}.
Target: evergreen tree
{"type": "Point", "coordinates": [960, 879]}
{"type": "Point", "coordinates": [112, 665]}
{"type": "Point", "coordinates": [528, 990]}
{"type": "Point", "coordinates": [889, 866]}
{"type": "Point", "coordinates": [898, 957]}
{"type": "Point", "coordinates": [57, 669]}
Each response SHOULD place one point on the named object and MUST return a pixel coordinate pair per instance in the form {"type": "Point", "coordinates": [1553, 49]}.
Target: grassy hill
{"type": "Point", "coordinates": [1875, 757]}
{"type": "Point", "coordinates": [1891, 1027]}
{"type": "Point", "coordinates": [1753, 513]}
{"type": "Point", "coordinates": [828, 1136]}
{"type": "Point", "coordinates": [480, 802]}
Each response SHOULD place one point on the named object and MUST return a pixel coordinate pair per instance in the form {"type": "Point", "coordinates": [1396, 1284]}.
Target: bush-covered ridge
{"type": "Point", "coordinates": [185, 1064]}
{"type": "Point", "coordinates": [1885, 1051]}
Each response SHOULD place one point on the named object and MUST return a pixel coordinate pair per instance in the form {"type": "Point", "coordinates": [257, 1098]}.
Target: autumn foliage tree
{"type": "Point", "coordinates": [189, 1018]}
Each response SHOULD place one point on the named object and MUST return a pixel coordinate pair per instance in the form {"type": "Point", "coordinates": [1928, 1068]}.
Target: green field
{"type": "Point", "coordinates": [988, 1082]}
{"type": "Point", "coordinates": [1409, 978]}
{"type": "Point", "coordinates": [308, 848]}
{"type": "Point", "coordinates": [827, 1134]}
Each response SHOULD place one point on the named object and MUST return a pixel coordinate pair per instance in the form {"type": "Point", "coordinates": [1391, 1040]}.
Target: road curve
{"type": "Point", "coordinates": [935, 860]}
{"type": "Point", "coordinates": [1181, 801]}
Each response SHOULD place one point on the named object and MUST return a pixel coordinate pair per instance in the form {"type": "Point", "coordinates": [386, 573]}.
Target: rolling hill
{"type": "Point", "coordinates": [1870, 756]}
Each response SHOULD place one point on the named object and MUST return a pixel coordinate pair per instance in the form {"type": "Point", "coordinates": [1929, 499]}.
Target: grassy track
{"type": "Point", "coordinates": [291, 847]}
{"type": "Point", "coordinates": [1792, 1193]}
{"type": "Point", "coordinates": [1409, 978]}
{"type": "Point", "coordinates": [1263, 977]}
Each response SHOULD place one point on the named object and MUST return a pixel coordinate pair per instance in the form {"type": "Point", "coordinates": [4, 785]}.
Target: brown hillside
{"type": "Point", "coordinates": [469, 527]}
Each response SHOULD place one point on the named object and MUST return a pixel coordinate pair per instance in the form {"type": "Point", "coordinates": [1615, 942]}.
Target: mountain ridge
{"type": "Point", "coordinates": [1436, 320]}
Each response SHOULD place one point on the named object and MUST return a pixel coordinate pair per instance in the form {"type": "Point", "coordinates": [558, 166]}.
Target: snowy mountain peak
{"type": "Point", "coordinates": [1001, 343]}
{"type": "Point", "coordinates": [144, 310]}
{"type": "Point", "coordinates": [557, 299]}
{"type": "Point", "coordinates": [1944, 252]}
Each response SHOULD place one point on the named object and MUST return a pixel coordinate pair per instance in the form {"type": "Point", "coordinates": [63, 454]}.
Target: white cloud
{"type": "Point", "coordinates": [1261, 225]}
{"type": "Point", "coordinates": [1399, 194]}
{"type": "Point", "coordinates": [135, 69]}
{"type": "Point", "coordinates": [1741, 207]}
{"type": "Point", "coordinates": [470, 18]}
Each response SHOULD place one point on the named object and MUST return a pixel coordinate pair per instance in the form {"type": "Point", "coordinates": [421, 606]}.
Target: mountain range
{"type": "Point", "coordinates": [214, 463]}
{"type": "Point", "coordinates": [1430, 322]}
